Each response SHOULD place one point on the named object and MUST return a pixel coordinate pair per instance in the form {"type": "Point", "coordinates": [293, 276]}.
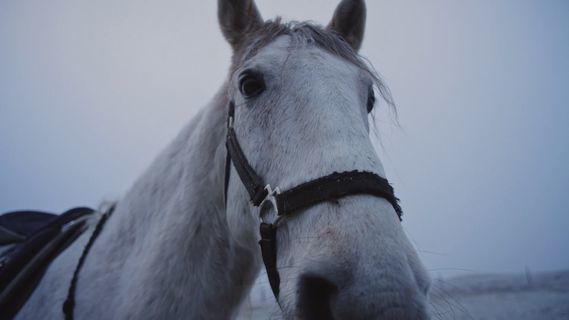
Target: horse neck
{"type": "Point", "coordinates": [168, 247]}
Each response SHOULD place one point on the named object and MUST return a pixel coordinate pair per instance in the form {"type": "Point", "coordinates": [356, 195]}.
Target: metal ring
{"type": "Point", "coordinates": [270, 198]}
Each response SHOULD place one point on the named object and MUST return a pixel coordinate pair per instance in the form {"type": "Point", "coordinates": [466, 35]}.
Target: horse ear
{"type": "Point", "coordinates": [236, 19]}
{"type": "Point", "coordinates": [349, 21]}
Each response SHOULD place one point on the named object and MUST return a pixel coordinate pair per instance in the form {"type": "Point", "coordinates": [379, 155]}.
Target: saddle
{"type": "Point", "coordinates": [32, 240]}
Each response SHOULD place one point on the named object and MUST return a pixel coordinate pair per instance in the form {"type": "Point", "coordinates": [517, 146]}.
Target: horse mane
{"type": "Point", "coordinates": [304, 34]}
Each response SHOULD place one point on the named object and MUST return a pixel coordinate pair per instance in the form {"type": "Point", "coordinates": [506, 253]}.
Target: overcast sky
{"type": "Point", "coordinates": [91, 91]}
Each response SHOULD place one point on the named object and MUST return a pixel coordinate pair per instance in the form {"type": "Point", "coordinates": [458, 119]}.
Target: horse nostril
{"type": "Point", "coordinates": [314, 297]}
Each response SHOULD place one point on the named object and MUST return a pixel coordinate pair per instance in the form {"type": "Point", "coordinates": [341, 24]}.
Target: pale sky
{"type": "Point", "coordinates": [91, 91]}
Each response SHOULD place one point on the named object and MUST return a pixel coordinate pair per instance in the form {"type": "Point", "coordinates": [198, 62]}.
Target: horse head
{"type": "Point", "coordinates": [301, 96]}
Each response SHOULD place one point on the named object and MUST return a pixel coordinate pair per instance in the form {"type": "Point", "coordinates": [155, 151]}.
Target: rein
{"type": "Point", "coordinates": [69, 304]}
{"type": "Point", "coordinates": [305, 195]}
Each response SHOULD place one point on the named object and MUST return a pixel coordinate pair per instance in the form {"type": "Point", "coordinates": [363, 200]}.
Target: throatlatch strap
{"type": "Point", "coordinates": [334, 186]}
{"type": "Point", "coordinates": [252, 182]}
{"type": "Point", "coordinates": [268, 245]}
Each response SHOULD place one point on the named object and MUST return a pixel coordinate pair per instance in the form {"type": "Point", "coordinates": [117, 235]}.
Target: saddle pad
{"type": "Point", "coordinates": [17, 226]}
{"type": "Point", "coordinates": [41, 241]}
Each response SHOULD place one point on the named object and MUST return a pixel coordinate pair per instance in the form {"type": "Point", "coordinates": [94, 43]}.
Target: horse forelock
{"type": "Point", "coordinates": [304, 34]}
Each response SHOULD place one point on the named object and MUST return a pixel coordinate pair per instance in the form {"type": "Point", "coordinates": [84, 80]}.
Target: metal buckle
{"type": "Point", "coordinates": [272, 200]}
{"type": "Point", "coordinates": [230, 121]}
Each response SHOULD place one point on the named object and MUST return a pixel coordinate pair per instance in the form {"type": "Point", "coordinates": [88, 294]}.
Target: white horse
{"type": "Point", "coordinates": [178, 247]}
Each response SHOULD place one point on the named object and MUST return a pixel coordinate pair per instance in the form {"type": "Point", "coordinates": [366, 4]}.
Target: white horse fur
{"type": "Point", "coordinates": [173, 250]}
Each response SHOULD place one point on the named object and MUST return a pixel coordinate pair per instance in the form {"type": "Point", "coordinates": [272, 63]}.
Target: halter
{"type": "Point", "coordinates": [305, 195]}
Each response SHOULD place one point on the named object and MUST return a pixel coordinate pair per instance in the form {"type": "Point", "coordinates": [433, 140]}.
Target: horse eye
{"type": "Point", "coordinates": [370, 100]}
{"type": "Point", "coordinates": [251, 84]}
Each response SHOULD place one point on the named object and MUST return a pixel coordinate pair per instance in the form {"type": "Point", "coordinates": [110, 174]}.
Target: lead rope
{"type": "Point", "coordinates": [69, 304]}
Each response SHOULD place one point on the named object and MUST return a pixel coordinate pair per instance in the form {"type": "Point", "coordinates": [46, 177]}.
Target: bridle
{"type": "Point", "coordinates": [333, 186]}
